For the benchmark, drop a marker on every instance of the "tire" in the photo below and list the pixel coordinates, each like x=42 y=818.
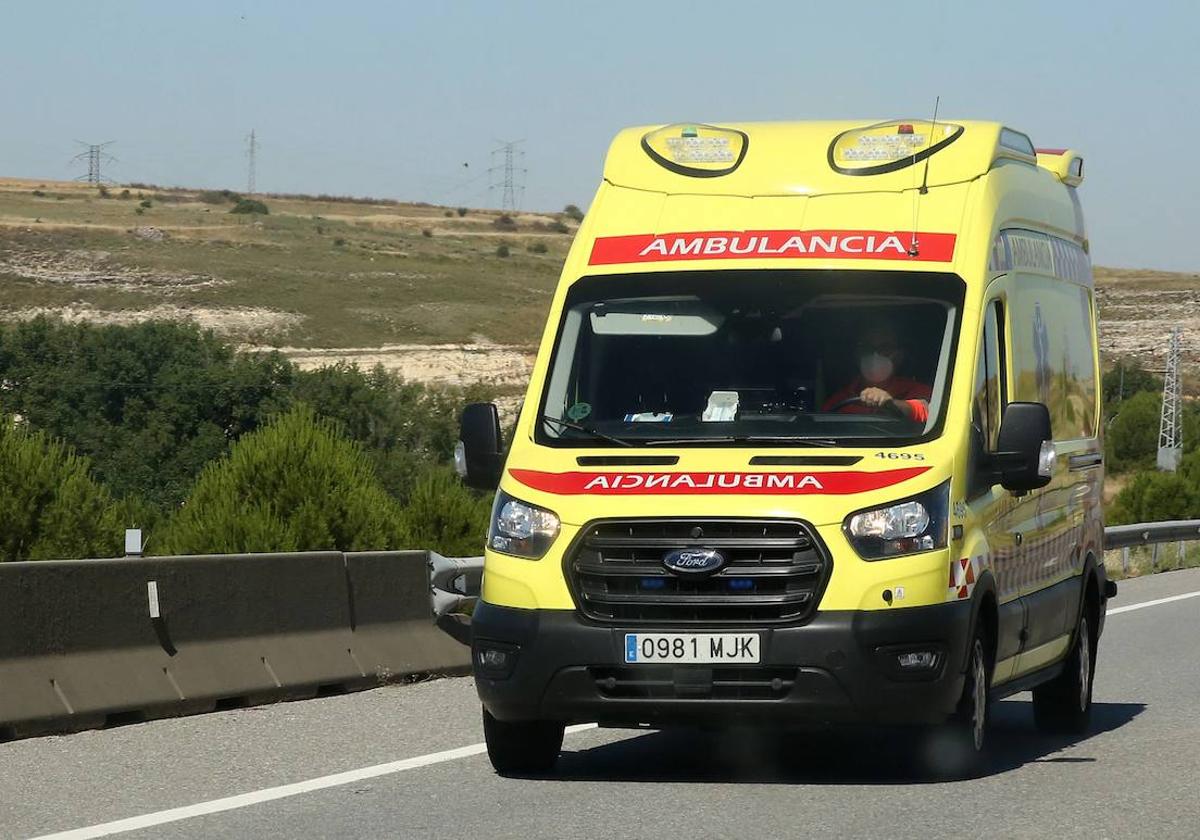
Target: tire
x=522 y=747
x=1063 y=706
x=958 y=750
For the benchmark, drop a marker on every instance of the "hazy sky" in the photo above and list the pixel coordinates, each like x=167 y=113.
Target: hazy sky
x=392 y=98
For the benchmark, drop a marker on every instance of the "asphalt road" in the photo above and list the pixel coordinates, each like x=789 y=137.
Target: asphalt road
x=405 y=774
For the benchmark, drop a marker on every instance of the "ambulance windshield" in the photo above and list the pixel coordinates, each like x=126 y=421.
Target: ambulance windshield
x=801 y=358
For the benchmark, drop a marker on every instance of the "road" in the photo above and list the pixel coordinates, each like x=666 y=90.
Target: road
x=413 y=766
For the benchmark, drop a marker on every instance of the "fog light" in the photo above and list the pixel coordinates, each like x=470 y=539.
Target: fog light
x=495 y=661
x=917 y=660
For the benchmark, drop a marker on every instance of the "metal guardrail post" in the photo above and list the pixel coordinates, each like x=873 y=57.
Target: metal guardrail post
x=1125 y=559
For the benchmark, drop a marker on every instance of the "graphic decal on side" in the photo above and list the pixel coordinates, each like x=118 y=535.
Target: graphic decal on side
x=704 y=483
x=963 y=574
x=771 y=244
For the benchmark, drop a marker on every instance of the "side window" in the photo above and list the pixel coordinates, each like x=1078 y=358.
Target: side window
x=990 y=378
x=1054 y=362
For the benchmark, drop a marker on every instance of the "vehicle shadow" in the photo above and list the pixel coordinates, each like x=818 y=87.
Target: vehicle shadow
x=831 y=757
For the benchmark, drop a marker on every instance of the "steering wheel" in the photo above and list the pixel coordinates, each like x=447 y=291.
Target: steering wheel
x=888 y=406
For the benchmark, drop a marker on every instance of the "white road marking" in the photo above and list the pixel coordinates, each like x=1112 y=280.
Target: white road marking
x=1153 y=603
x=244 y=800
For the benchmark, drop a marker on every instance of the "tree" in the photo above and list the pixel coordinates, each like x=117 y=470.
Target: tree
x=1125 y=379
x=573 y=212
x=403 y=426
x=150 y=404
x=294 y=485
x=50 y=506
x=1132 y=437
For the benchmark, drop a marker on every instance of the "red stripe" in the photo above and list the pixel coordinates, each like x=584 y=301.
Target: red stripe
x=772 y=244
x=710 y=483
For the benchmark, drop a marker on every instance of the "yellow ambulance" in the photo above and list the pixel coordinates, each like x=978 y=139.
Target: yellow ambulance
x=812 y=438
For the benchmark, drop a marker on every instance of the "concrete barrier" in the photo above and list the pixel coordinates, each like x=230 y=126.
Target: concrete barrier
x=397 y=635
x=87 y=642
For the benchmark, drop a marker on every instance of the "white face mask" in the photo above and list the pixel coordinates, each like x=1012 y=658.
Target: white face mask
x=875 y=367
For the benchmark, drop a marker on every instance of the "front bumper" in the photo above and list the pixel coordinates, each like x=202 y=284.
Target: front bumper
x=837 y=668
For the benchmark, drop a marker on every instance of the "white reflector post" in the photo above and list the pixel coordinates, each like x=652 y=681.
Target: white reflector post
x=133 y=542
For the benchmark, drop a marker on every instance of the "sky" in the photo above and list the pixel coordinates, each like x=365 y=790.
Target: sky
x=407 y=100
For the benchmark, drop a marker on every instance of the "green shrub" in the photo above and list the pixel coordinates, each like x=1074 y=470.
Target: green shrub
x=219 y=197
x=249 y=205
x=1154 y=496
x=449 y=214
x=558 y=227
x=573 y=212
x=50 y=506
x=146 y=204
x=536 y=247
x=504 y=222
x=294 y=485
x=427 y=232
x=339 y=242
x=502 y=250
x=462 y=211
x=444 y=516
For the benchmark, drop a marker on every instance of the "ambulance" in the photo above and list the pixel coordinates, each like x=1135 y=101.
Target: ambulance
x=812 y=440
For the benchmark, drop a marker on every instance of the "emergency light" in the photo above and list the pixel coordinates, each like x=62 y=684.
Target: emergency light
x=700 y=151
x=886 y=147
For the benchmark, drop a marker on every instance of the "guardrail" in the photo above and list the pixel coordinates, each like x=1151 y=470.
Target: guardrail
x=1153 y=534
x=89 y=642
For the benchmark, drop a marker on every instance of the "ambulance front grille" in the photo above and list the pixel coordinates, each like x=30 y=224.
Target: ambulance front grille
x=774 y=572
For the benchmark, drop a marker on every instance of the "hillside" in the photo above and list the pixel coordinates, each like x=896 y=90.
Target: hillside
x=418 y=288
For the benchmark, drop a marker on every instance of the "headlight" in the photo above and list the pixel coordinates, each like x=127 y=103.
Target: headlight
x=521 y=529
x=905 y=527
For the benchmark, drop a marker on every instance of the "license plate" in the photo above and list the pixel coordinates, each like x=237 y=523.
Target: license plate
x=697 y=648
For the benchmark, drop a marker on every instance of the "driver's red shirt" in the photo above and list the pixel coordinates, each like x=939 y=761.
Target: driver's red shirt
x=916 y=394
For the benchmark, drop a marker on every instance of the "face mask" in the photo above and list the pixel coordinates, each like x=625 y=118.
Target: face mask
x=875 y=367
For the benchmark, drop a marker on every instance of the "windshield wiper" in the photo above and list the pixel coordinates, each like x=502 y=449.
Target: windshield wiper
x=791 y=439
x=797 y=441
x=578 y=427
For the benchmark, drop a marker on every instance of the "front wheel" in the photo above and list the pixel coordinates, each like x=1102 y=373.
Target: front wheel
x=1063 y=706
x=957 y=750
x=522 y=747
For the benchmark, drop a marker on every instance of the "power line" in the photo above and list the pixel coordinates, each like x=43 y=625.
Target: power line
x=251 y=155
x=1170 y=427
x=506 y=173
x=96 y=157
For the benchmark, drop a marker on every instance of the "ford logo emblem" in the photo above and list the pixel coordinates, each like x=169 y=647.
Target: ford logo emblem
x=694 y=561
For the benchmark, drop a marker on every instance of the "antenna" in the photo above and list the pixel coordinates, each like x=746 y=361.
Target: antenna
x=914 y=246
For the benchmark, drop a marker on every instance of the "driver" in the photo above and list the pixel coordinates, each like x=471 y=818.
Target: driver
x=877 y=386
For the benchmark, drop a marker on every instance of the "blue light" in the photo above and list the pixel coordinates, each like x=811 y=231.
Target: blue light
x=741 y=583
x=653 y=583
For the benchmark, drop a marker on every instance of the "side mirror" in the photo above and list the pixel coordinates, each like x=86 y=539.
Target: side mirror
x=1025 y=457
x=478 y=457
